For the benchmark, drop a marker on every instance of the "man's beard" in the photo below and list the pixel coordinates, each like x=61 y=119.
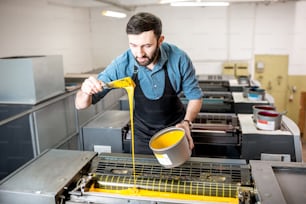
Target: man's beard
x=150 y=60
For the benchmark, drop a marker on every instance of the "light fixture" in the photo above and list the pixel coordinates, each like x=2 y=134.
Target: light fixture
x=169 y=1
x=199 y=3
x=114 y=14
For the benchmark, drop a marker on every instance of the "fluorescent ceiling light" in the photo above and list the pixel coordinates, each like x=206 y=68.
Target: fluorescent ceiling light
x=199 y=3
x=114 y=14
x=169 y=1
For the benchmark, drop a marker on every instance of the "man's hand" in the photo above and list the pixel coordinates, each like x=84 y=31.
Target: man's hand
x=91 y=86
x=187 y=128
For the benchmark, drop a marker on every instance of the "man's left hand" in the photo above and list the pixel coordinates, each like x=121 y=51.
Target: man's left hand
x=185 y=125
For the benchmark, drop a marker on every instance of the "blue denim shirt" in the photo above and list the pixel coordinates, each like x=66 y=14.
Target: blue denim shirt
x=180 y=70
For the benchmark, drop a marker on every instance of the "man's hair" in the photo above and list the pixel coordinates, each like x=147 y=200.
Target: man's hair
x=142 y=22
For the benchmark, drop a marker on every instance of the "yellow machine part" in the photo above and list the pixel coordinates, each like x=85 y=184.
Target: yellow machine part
x=166 y=195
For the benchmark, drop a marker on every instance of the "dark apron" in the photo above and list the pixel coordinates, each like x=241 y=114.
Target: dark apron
x=150 y=116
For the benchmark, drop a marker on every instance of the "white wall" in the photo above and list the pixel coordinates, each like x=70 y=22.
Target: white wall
x=34 y=27
x=210 y=36
x=108 y=38
x=297 y=62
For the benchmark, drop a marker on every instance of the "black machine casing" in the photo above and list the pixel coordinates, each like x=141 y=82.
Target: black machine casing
x=284 y=142
x=108 y=132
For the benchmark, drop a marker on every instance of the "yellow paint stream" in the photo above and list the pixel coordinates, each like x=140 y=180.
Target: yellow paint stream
x=128 y=84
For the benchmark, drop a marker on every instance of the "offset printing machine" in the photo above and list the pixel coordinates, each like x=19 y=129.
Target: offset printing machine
x=216 y=135
x=283 y=144
x=221 y=94
x=231 y=163
x=225 y=83
x=227 y=135
x=228 y=94
x=83 y=177
x=229 y=102
x=108 y=132
x=215 y=82
x=214 y=102
x=243 y=104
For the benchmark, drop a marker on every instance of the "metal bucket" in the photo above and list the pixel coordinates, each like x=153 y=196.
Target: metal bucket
x=246 y=90
x=269 y=120
x=256 y=94
x=257 y=108
x=170 y=147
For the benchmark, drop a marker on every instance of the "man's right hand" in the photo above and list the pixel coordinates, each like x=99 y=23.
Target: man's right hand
x=91 y=86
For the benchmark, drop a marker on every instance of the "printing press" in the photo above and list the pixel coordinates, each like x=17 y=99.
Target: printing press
x=108 y=132
x=244 y=104
x=283 y=144
x=214 y=102
x=74 y=177
x=224 y=83
x=221 y=94
x=217 y=135
x=229 y=170
x=230 y=94
x=234 y=136
x=215 y=82
x=228 y=102
x=233 y=162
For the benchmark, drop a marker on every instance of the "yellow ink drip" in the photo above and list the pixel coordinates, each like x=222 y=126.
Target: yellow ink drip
x=130 y=91
x=129 y=85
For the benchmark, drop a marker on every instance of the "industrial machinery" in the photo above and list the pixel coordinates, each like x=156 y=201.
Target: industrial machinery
x=215 y=82
x=279 y=182
x=196 y=181
x=31 y=96
x=229 y=135
x=243 y=104
x=214 y=102
x=224 y=83
x=221 y=94
x=228 y=102
x=216 y=135
x=27 y=79
x=108 y=132
x=280 y=144
x=76 y=177
x=227 y=94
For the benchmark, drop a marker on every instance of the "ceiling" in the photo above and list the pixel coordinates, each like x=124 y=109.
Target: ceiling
x=132 y=4
x=100 y=3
